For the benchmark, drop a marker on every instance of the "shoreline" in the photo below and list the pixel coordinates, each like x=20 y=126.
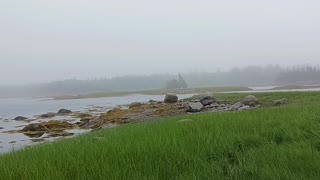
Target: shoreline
x=45 y=127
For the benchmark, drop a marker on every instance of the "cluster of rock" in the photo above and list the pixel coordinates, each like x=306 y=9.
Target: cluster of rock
x=209 y=104
x=61 y=112
x=53 y=128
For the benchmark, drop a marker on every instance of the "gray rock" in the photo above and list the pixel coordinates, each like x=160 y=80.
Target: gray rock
x=281 y=101
x=194 y=107
x=214 y=105
x=64 y=111
x=250 y=100
x=171 y=98
x=20 y=118
x=244 y=108
x=207 y=100
x=236 y=106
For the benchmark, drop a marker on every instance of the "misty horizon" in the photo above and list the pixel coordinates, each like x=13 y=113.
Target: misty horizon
x=44 y=41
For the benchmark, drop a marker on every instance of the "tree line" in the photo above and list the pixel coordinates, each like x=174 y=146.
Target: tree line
x=247 y=76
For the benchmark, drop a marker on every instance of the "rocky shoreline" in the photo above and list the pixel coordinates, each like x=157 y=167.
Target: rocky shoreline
x=46 y=126
x=132 y=113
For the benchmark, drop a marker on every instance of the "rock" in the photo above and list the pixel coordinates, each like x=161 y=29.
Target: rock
x=250 y=100
x=185 y=120
x=93 y=124
x=207 y=100
x=194 y=107
x=58 y=125
x=244 y=108
x=1 y=128
x=236 y=106
x=214 y=105
x=20 y=118
x=171 y=98
x=281 y=101
x=48 y=115
x=34 y=134
x=53 y=125
x=34 y=127
x=59 y=134
x=181 y=106
x=64 y=111
x=153 y=106
x=134 y=105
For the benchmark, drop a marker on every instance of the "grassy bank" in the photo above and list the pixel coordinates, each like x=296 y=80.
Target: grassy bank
x=265 y=143
x=156 y=92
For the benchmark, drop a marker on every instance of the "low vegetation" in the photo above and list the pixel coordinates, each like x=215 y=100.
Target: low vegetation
x=271 y=142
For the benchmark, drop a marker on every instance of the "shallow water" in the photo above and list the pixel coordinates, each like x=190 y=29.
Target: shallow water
x=29 y=107
x=270 y=89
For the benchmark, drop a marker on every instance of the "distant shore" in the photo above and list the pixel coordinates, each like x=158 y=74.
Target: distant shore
x=154 y=92
x=217 y=89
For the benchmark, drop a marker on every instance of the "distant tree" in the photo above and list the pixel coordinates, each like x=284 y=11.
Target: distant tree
x=174 y=84
x=182 y=82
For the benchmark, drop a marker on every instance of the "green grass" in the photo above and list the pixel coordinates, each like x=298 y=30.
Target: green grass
x=265 y=143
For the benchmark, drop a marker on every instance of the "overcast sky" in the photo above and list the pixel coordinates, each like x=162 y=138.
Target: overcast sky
x=44 y=40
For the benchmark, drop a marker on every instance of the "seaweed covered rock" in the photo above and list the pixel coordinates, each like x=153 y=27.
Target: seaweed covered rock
x=53 y=125
x=20 y=118
x=34 y=127
x=135 y=104
x=64 y=111
x=171 y=98
x=47 y=115
x=58 y=125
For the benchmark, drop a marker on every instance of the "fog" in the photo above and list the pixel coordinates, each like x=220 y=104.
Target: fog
x=43 y=40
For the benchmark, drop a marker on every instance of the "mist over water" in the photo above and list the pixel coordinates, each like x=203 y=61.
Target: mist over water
x=43 y=41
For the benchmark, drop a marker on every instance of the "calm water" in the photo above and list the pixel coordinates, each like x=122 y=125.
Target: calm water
x=28 y=107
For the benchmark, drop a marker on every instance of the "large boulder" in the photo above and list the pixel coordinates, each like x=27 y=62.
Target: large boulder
x=195 y=107
x=281 y=101
x=250 y=100
x=20 y=118
x=171 y=98
x=64 y=111
x=134 y=105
